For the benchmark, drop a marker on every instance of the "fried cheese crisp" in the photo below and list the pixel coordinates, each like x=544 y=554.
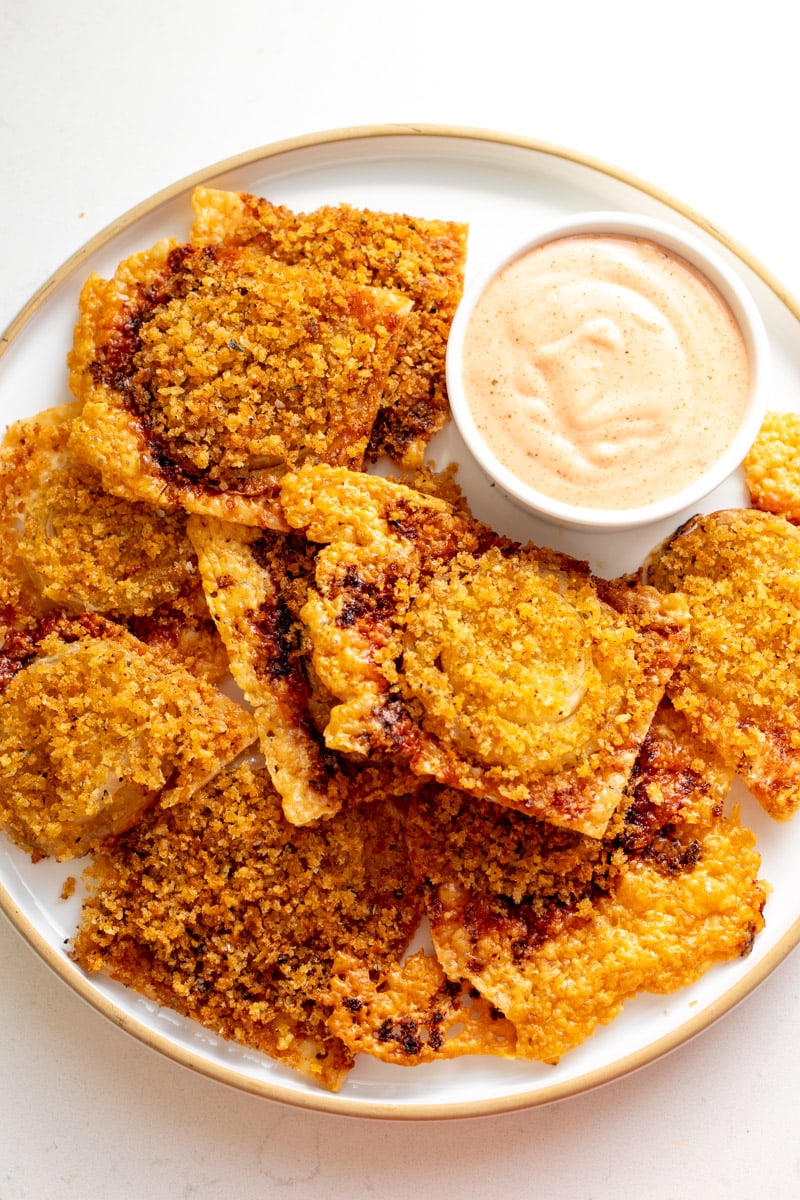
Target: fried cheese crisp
x=96 y=725
x=738 y=682
x=256 y=581
x=206 y=373
x=504 y=670
x=222 y=911
x=558 y=931
x=421 y=258
x=772 y=466
x=67 y=545
x=413 y=1014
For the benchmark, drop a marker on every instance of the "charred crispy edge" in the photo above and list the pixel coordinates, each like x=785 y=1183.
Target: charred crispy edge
x=415 y=405
x=327 y=512
x=245 y=603
x=115 y=438
x=565 y=799
x=413 y=1013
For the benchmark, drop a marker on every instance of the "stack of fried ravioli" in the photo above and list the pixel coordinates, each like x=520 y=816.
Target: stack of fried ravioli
x=429 y=721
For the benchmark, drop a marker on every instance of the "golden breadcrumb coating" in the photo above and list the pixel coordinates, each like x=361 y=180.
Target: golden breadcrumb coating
x=256 y=583
x=69 y=545
x=503 y=670
x=421 y=258
x=557 y=930
x=206 y=373
x=221 y=910
x=772 y=466
x=450 y=723
x=94 y=726
x=737 y=682
x=413 y=1014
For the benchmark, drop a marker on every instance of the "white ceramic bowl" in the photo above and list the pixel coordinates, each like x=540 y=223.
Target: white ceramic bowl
x=733 y=290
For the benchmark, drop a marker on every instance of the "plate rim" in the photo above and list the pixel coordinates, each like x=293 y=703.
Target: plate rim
x=273 y=1089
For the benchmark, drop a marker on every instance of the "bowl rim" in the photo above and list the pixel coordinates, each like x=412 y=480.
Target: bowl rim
x=705 y=259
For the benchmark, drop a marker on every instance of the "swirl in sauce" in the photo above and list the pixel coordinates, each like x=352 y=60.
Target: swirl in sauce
x=605 y=371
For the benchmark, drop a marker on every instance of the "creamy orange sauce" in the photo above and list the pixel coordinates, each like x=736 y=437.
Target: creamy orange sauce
x=604 y=371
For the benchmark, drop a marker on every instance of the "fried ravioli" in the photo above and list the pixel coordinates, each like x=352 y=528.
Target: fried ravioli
x=557 y=930
x=256 y=582
x=222 y=911
x=503 y=670
x=94 y=727
x=738 y=682
x=421 y=258
x=772 y=466
x=67 y=545
x=206 y=373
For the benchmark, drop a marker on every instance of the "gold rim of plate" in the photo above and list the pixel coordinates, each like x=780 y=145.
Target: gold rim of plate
x=275 y=1089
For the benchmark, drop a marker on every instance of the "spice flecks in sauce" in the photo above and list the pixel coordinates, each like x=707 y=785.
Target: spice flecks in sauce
x=604 y=370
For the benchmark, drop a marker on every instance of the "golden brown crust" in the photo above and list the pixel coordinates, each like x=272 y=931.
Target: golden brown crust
x=67 y=545
x=256 y=583
x=772 y=466
x=503 y=670
x=413 y=1014
x=421 y=258
x=498 y=706
x=737 y=682
x=94 y=726
x=222 y=911
x=558 y=930
x=205 y=374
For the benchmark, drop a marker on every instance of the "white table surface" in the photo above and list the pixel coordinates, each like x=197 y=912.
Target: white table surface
x=104 y=103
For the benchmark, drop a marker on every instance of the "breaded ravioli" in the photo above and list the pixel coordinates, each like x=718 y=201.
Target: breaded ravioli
x=94 y=727
x=772 y=466
x=557 y=930
x=256 y=582
x=206 y=373
x=67 y=545
x=421 y=258
x=738 y=682
x=504 y=670
x=222 y=911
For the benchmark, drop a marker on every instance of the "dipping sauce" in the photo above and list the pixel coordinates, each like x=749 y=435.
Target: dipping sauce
x=604 y=370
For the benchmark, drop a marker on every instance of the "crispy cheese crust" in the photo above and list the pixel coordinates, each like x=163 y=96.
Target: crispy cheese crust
x=94 y=726
x=557 y=930
x=220 y=909
x=414 y=1014
x=437 y=720
x=738 y=682
x=503 y=670
x=420 y=258
x=206 y=373
x=67 y=545
x=256 y=582
x=772 y=466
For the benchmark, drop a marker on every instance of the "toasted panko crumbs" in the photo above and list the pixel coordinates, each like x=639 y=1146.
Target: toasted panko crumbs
x=557 y=930
x=740 y=573
x=256 y=582
x=94 y=726
x=220 y=909
x=68 y=545
x=422 y=259
x=84 y=548
x=772 y=466
x=406 y=667
x=220 y=368
x=237 y=366
x=504 y=670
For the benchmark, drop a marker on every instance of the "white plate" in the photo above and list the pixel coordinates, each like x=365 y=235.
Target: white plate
x=503 y=186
